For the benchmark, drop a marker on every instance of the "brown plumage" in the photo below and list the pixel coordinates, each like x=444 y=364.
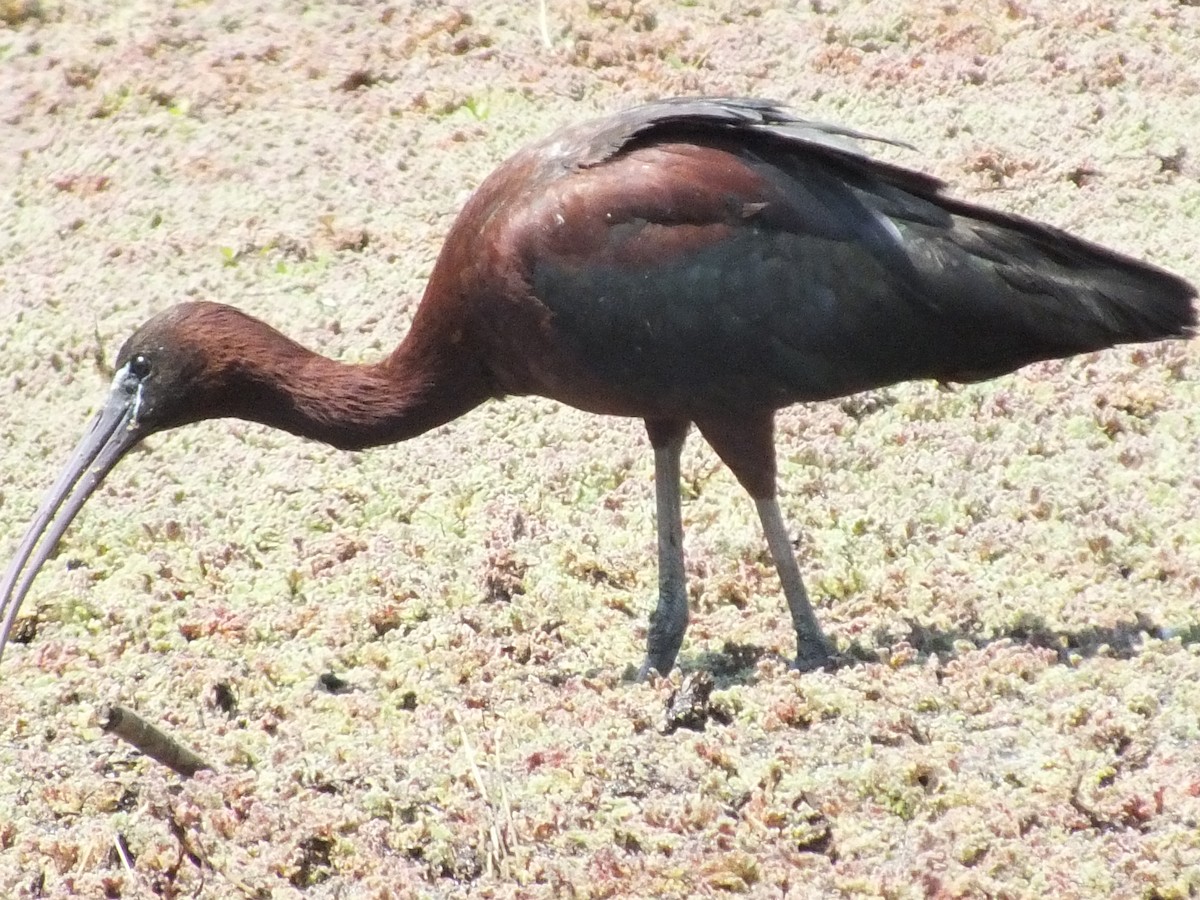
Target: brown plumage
x=699 y=262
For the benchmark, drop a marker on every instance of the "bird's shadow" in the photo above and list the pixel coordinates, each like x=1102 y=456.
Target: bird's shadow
x=735 y=663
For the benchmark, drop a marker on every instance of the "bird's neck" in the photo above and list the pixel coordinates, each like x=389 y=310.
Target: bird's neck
x=421 y=386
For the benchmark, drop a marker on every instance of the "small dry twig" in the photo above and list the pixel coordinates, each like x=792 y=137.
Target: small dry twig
x=502 y=829
x=544 y=23
x=133 y=729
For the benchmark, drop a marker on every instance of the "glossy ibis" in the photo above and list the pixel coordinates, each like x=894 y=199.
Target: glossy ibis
x=690 y=261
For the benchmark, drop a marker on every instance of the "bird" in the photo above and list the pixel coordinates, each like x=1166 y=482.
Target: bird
x=692 y=262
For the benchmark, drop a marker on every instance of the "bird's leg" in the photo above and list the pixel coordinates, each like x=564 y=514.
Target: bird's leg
x=669 y=620
x=747 y=446
x=813 y=649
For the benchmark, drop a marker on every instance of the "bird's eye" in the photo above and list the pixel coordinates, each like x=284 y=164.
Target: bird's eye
x=139 y=366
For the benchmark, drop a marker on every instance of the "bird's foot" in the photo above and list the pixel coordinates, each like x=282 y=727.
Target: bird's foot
x=651 y=668
x=818 y=655
x=663 y=643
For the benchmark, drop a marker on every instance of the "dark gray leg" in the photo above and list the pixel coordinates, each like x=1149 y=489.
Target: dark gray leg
x=813 y=650
x=669 y=620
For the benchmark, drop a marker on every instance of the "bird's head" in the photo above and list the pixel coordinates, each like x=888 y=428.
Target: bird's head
x=171 y=371
x=176 y=368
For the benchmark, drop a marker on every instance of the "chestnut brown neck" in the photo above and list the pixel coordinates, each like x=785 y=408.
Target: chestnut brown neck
x=419 y=387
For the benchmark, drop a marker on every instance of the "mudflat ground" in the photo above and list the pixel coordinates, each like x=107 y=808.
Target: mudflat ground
x=1020 y=558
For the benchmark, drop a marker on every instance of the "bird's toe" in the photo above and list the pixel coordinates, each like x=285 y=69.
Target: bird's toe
x=651 y=669
x=821 y=657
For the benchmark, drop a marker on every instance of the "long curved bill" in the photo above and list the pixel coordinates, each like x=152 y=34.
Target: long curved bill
x=111 y=433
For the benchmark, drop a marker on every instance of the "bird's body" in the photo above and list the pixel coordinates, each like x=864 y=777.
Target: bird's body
x=692 y=272
x=688 y=262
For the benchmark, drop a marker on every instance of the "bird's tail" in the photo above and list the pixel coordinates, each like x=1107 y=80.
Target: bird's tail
x=1042 y=293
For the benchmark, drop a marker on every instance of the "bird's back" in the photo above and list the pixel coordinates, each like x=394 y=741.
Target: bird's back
x=689 y=257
